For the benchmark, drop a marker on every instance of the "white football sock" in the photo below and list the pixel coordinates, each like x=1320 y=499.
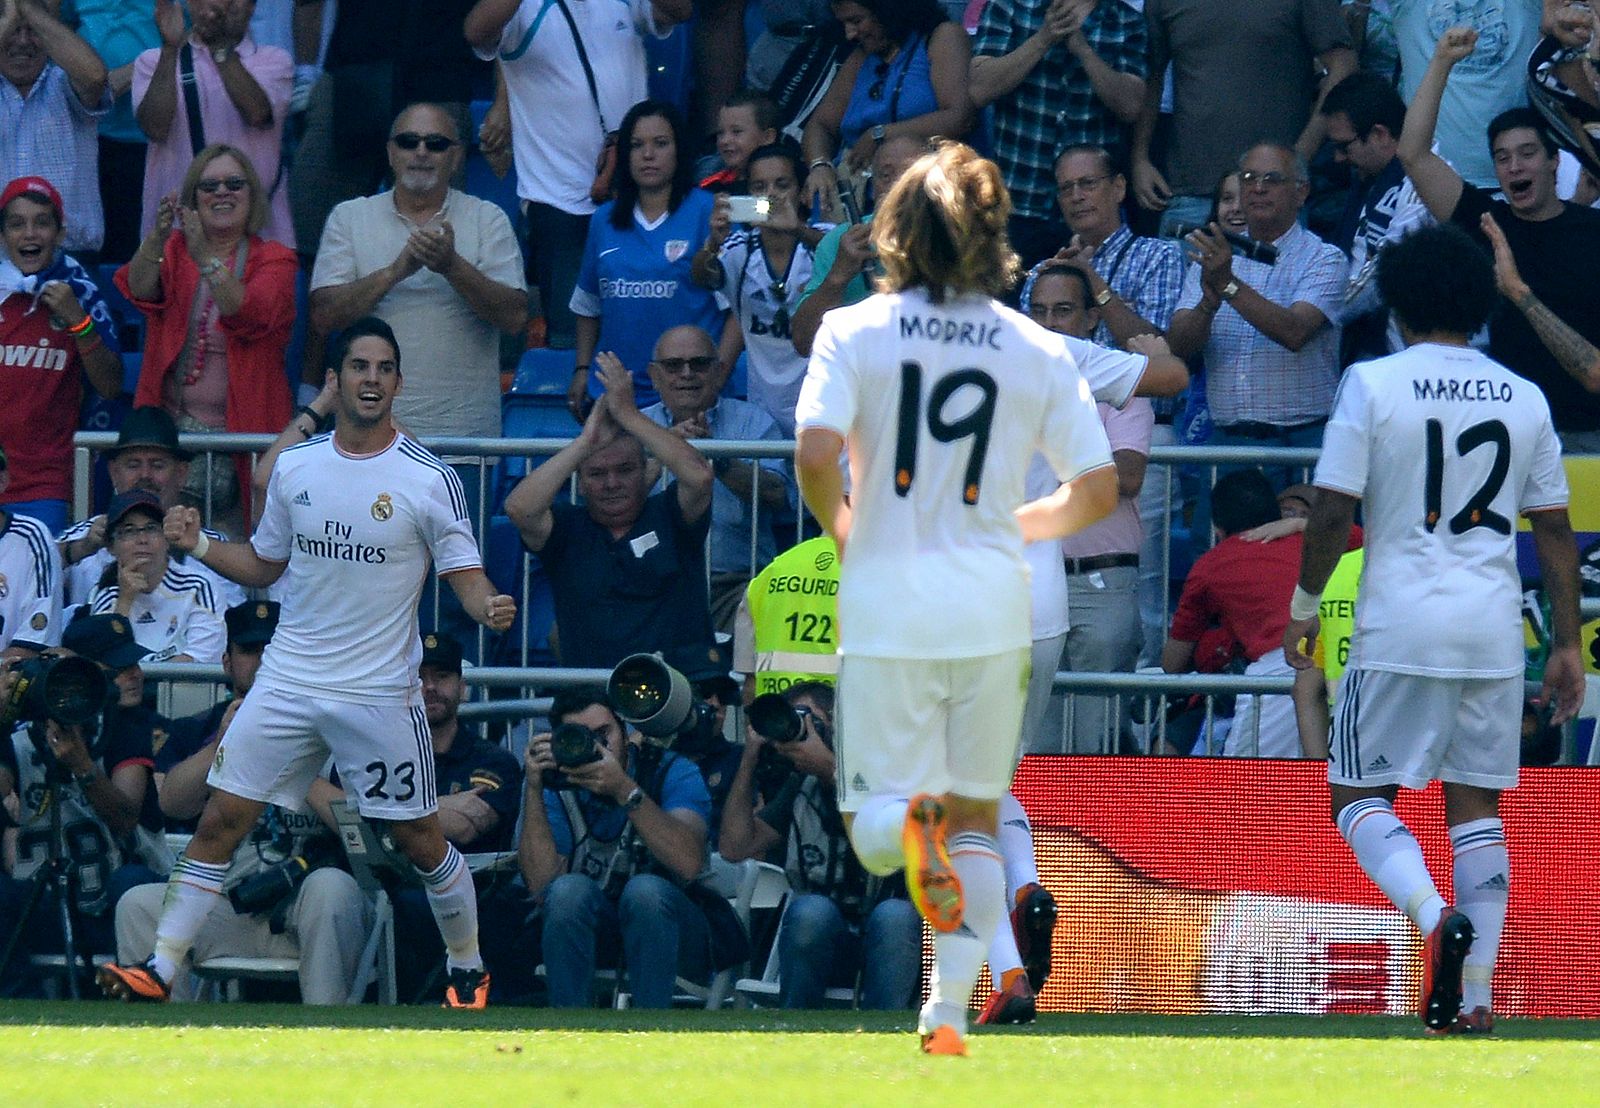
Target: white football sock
x=876 y=832
x=958 y=956
x=1482 y=879
x=1016 y=847
x=1388 y=852
x=193 y=889
x=454 y=901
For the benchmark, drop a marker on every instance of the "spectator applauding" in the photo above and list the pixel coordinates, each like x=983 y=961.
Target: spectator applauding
x=52 y=93
x=54 y=330
x=1272 y=352
x=215 y=77
x=635 y=282
x=220 y=301
x=907 y=76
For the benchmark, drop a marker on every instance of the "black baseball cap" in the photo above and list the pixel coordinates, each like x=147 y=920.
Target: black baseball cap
x=131 y=501
x=107 y=639
x=441 y=652
x=251 y=623
x=149 y=426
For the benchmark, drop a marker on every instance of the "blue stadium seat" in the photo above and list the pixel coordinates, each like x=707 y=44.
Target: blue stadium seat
x=543 y=372
x=539 y=415
x=738 y=383
x=481 y=180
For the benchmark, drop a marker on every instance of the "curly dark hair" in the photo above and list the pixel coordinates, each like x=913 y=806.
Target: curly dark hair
x=1438 y=280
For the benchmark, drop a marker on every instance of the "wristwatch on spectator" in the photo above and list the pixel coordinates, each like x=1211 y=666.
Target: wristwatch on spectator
x=1103 y=297
x=1230 y=290
x=632 y=801
x=220 y=54
x=877 y=134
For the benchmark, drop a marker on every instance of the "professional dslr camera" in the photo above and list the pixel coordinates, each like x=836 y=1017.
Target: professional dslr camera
x=658 y=700
x=571 y=745
x=771 y=716
x=67 y=690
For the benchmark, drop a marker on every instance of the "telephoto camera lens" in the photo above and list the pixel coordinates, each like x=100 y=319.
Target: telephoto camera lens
x=774 y=718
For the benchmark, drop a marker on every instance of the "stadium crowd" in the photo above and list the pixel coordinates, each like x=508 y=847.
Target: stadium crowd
x=576 y=223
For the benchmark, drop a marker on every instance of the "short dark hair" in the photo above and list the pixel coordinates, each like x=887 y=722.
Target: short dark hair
x=818 y=692
x=626 y=188
x=1512 y=118
x=1070 y=272
x=1243 y=499
x=760 y=105
x=1437 y=280
x=785 y=148
x=1108 y=163
x=366 y=326
x=1367 y=100
x=568 y=702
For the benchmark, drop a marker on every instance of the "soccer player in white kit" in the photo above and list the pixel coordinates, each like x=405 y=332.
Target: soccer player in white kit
x=352 y=520
x=1443 y=448
x=942 y=395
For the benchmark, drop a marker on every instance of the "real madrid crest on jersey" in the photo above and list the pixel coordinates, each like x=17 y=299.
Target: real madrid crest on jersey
x=676 y=248
x=5 y=587
x=383 y=508
x=38 y=621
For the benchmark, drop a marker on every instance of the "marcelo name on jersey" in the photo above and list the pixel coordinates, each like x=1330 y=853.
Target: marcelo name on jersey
x=335 y=543
x=1471 y=391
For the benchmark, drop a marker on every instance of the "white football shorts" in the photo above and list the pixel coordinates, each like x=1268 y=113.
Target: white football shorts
x=928 y=725
x=1404 y=729
x=281 y=737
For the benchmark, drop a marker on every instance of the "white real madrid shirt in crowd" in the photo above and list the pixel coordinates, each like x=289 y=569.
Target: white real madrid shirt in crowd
x=30 y=584
x=358 y=532
x=452 y=355
x=179 y=616
x=943 y=406
x=765 y=303
x=1445 y=447
x=556 y=131
x=82 y=578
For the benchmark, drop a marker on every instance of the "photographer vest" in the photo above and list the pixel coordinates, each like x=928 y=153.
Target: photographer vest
x=609 y=863
x=794 y=616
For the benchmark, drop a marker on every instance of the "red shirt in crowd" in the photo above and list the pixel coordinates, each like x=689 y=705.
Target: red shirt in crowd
x=41 y=383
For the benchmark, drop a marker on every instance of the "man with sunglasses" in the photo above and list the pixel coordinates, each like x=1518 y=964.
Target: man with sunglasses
x=1268 y=332
x=685 y=372
x=212 y=73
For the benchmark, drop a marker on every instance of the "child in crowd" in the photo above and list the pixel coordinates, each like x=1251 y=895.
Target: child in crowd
x=746 y=122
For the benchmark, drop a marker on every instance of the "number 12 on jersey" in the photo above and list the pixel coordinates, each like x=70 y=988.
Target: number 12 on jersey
x=974 y=425
x=1476 y=512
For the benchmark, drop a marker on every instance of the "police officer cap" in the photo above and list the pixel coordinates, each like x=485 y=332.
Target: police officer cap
x=252 y=623
x=441 y=652
x=107 y=639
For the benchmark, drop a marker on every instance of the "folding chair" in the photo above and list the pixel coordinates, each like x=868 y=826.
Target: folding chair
x=764 y=990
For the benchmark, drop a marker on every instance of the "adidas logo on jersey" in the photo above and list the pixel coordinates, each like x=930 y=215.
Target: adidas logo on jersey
x=303 y=499
x=1378 y=764
x=1498 y=883
x=859 y=783
x=147 y=617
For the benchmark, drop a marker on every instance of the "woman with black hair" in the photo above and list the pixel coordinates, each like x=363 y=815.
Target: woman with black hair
x=635 y=280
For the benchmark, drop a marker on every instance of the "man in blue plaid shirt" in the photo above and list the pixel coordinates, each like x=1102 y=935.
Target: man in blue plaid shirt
x=1059 y=73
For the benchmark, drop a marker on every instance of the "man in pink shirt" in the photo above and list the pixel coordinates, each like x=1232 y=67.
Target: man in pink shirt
x=241 y=92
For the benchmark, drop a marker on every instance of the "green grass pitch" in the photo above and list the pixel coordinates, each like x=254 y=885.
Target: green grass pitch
x=97 y=1053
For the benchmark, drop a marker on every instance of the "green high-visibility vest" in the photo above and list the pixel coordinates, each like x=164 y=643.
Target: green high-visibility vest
x=794 y=612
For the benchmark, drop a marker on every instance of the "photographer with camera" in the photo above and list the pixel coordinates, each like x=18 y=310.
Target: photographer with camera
x=79 y=761
x=288 y=900
x=841 y=923
x=611 y=834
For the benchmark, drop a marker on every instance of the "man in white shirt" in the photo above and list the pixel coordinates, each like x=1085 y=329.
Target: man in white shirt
x=560 y=114
x=933 y=598
x=1442 y=447
x=352 y=522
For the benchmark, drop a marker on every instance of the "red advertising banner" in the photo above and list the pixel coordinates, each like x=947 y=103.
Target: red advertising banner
x=1221 y=886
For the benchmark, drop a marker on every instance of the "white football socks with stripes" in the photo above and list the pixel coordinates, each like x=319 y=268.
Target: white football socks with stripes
x=193 y=889
x=958 y=956
x=1482 y=879
x=1016 y=853
x=1388 y=852
x=454 y=901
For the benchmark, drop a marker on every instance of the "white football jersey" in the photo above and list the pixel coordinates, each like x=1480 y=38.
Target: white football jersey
x=942 y=407
x=30 y=584
x=358 y=533
x=179 y=616
x=1445 y=447
x=83 y=578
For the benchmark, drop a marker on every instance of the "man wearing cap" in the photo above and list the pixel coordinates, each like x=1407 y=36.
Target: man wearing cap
x=174 y=613
x=102 y=788
x=53 y=91
x=147 y=456
x=706 y=667
x=324 y=922
x=55 y=329
x=30 y=582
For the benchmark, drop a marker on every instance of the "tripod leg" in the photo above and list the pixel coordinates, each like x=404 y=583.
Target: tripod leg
x=36 y=887
x=69 y=946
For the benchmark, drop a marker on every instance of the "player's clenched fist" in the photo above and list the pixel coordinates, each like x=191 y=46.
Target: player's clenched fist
x=498 y=612
x=182 y=526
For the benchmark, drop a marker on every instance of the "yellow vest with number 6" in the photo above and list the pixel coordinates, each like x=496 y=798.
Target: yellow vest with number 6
x=794 y=614
x=1338 y=615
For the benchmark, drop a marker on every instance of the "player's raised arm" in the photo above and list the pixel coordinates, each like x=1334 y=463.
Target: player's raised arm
x=237 y=561
x=1166 y=374
x=481 y=600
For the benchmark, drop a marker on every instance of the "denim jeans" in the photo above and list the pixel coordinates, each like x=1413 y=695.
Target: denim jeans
x=661 y=934
x=818 y=948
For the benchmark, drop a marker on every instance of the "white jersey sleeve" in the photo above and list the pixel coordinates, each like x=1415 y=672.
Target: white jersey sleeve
x=202 y=635
x=1113 y=375
x=1546 y=486
x=828 y=397
x=1347 y=439
x=1073 y=440
x=446 y=527
x=274 y=537
x=30 y=585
